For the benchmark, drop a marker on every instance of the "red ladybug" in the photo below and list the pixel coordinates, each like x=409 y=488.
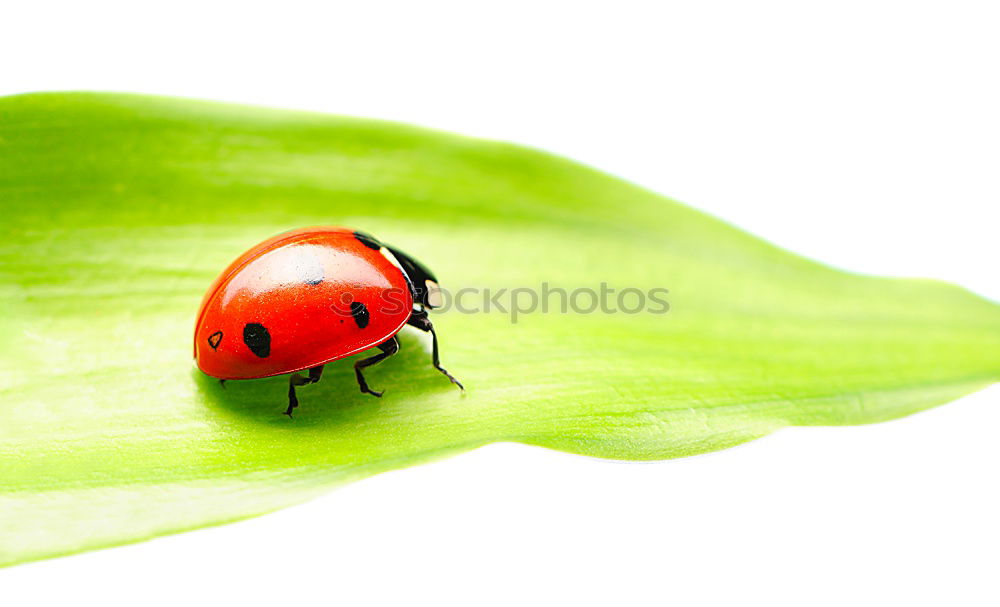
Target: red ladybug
x=308 y=297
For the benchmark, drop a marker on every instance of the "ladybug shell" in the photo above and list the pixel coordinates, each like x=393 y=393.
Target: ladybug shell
x=298 y=300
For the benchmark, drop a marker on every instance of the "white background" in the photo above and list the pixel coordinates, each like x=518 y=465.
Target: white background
x=864 y=134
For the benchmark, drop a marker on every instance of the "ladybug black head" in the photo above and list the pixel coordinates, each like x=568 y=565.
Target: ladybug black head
x=423 y=283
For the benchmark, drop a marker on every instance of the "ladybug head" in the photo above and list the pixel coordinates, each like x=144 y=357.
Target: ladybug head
x=425 y=286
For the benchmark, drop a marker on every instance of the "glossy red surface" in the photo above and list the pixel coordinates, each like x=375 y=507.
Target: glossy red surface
x=299 y=286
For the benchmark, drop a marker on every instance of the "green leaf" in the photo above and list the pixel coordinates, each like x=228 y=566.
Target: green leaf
x=119 y=210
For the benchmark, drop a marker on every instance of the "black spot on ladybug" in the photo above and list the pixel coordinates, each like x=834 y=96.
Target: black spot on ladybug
x=360 y=314
x=257 y=338
x=368 y=240
x=214 y=339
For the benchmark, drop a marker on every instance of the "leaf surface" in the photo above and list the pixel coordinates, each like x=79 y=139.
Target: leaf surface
x=119 y=210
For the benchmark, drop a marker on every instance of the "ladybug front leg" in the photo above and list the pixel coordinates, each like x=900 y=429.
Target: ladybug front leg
x=420 y=320
x=297 y=380
x=388 y=347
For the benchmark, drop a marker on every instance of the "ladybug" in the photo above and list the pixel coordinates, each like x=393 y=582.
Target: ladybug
x=308 y=297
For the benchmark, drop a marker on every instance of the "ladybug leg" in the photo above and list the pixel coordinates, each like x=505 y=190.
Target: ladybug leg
x=420 y=320
x=388 y=347
x=297 y=380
